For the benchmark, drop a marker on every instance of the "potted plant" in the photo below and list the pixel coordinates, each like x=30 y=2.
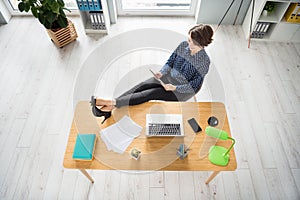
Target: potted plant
x=51 y=15
x=269 y=8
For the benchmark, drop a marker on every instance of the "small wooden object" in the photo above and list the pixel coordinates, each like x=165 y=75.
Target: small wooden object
x=63 y=36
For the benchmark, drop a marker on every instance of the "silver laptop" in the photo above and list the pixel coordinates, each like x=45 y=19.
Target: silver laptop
x=163 y=125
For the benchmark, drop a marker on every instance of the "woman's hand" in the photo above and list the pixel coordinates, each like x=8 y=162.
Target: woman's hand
x=169 y=87
x=158 y=75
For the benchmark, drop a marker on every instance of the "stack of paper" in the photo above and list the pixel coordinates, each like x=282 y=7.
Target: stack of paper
x=119 y=136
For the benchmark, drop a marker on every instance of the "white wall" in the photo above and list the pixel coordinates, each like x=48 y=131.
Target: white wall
x=212 y=11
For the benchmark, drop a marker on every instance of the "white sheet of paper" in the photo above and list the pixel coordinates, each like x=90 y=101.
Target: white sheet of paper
x=119 y=136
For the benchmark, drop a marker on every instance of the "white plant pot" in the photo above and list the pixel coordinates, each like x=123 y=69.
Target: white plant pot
x=265 y=13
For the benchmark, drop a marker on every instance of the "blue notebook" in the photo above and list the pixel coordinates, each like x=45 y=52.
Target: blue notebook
x=84 y=146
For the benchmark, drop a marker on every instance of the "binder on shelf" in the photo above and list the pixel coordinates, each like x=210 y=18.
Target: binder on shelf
x=256 y=30
x=100 y=22
x=97 y=20
x=86 y=4
x=92 y=20
x=293 y=13
x=103 y=21
x=266 y=27
x=80 y=4
x=260 y=30
x=89 y=5
x=96 y=5
x=261 y=33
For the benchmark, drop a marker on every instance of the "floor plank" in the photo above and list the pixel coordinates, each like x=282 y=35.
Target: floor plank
x=156 y=179
x=41 y=175
x=231 y=185
x=134 y=185
x=274 y=186
x=112 y=185
x=172 y=188
x=11 y=180
x=253 y=154
x=186 y=180
x=67 y=189
x=245 y=184
x=157 y=193
x=202 y=190
x=216 y=188
x=9 y=148
x=289 y=188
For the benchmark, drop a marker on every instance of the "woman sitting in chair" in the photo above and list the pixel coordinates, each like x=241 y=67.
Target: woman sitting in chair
x=182 y=75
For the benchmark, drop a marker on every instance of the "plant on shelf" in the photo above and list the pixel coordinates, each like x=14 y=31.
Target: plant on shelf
x=270 y=7
x=51 y=15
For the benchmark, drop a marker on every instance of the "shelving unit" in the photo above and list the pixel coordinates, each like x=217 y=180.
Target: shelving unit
x=275 y=28
x=94 y=15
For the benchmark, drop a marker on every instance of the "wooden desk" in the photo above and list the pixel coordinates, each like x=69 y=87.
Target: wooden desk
x=158 y=153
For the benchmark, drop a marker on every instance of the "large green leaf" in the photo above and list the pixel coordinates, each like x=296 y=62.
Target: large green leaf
x=62 y=13
x=21 y=6
x=62 y=21
x=46 y=1
x=55 y=7
x=42 y=19
x=31 y=2
x=51 y=17
x=34 y=11
x=27 y=7
x=51 y=3
x=47 y=25
x=61 y=3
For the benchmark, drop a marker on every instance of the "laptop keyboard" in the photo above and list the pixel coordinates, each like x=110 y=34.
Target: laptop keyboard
x=164 y=129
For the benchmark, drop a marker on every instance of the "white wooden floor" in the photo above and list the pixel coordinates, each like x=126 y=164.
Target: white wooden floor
x=262 y=96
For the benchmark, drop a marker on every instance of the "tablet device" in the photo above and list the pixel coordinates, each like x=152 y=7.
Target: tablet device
x=156 y=77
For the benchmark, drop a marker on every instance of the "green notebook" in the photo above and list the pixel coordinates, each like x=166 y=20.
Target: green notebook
x=84 y=146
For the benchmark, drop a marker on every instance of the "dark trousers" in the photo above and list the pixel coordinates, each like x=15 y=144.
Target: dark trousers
x=148 y=90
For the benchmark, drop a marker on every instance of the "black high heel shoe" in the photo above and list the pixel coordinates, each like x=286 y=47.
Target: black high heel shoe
x=93 y=101
x=99 y=113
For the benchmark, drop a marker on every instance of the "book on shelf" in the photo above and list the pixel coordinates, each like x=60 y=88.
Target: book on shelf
x=84 y=147
x=260 y=29
x=293 y=13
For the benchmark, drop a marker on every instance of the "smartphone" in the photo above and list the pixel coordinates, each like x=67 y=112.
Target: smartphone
x=195 y=126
